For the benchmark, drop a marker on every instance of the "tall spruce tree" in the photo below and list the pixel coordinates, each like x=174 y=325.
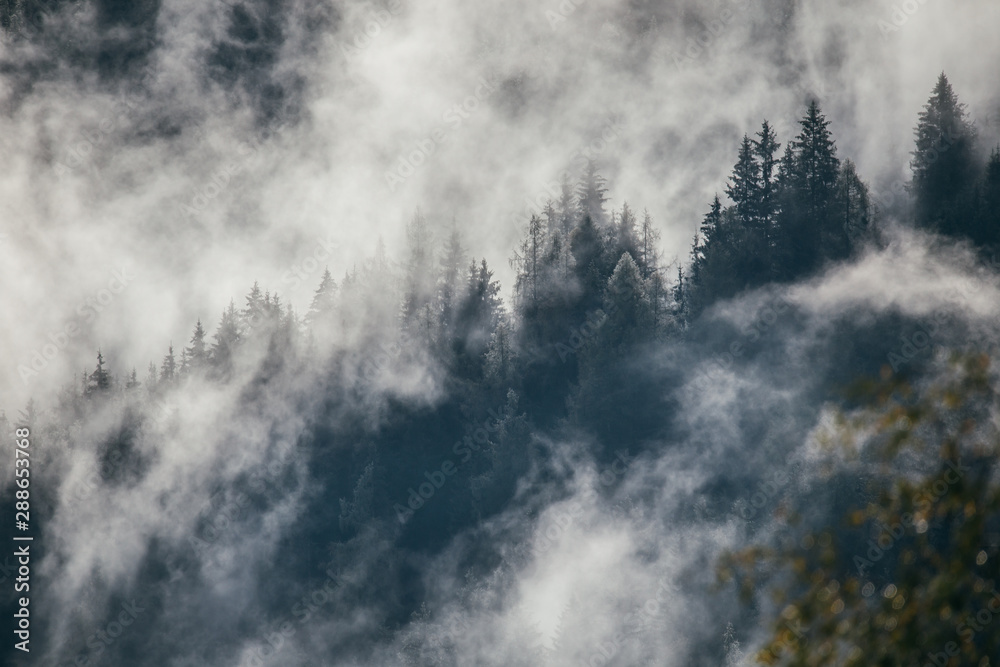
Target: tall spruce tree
x=226 y=338
x=765 y=148
x=987 y=219
x=808 y=231
x=99 y=381
x=944 y=162
x=591 y=195
x=744 y=185
x=323 y=302
x=197 y=354
x=168 y=369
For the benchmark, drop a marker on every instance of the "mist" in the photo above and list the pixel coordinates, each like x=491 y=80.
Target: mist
x=165 y=156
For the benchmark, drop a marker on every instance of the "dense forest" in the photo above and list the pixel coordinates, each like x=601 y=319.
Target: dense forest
x=420 y=417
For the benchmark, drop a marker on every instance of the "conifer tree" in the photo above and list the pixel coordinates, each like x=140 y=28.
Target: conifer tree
x=648 y=254
x=526 y=262
x=151 y=377
x=808 y=227
x=227 y=336
x=197 y=354
x=168 y=370
x=567 y=209
x=591 y=195
x=420 y=277
x=987 y=219
x=854 y=209
x=324 y=300
x=253 y=312
x=450 y=284
x=99 y=380
x=944 y=162
x=133 y=380
x=744 y=185
x=765 y=148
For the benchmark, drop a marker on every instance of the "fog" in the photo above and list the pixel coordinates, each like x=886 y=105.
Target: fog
x=162 y=158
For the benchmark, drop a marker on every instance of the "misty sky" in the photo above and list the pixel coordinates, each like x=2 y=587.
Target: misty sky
x=162 y=156
x=349 y=114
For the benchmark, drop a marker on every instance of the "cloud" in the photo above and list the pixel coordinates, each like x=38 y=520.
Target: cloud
x=211 y=145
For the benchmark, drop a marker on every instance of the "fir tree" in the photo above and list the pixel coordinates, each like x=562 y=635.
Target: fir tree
x=450 y=282
x=226 y=338
x=591 y=195
x=648 y=252
x=324 y=300
x=944 y=161
x=744 y=185
x=854 y=209
x=986 y=231
x=133 y=380
x=168 y=369
x=526 y=262
x=197 y=354
x=99 y=380
x=765 y=147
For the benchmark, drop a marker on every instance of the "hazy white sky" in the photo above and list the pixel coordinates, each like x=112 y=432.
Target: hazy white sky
x=558 y=80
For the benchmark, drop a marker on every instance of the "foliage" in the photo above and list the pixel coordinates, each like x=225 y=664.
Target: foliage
x=934 y=449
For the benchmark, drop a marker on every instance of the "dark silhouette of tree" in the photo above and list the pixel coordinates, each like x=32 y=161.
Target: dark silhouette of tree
x=944 y=162
x=853 y=208
x=812 y=231
x=526 y=263
x=744 y=187
x=478 y=316
x=986 y=231
x=99 y=381
x=765 y=148
x=197 y=354
x=168 y=369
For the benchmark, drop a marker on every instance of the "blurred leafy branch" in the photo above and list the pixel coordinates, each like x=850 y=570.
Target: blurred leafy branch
x=935 y=505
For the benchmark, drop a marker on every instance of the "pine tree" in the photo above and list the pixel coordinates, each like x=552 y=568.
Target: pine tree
x=197 y=354
x=253 y=312
x=420 y=277
x=567 y=207
x=944 y=162
x=745 y=186
x=648 y=252
x=765 y=147
x=987 y=220
x=816 y=160
x=626 y=235
x=501 y=356
x=151 y=377
x=628 y=308
x=591 y=195
x=133 y=380
x=450 y=283
x=809 y=228
x=588 y=256
x=227 y=336
x=323 y=302
x=854 y=209
x=478 y=316
x=99 y=380
x=168 y=370
x=526 y=262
